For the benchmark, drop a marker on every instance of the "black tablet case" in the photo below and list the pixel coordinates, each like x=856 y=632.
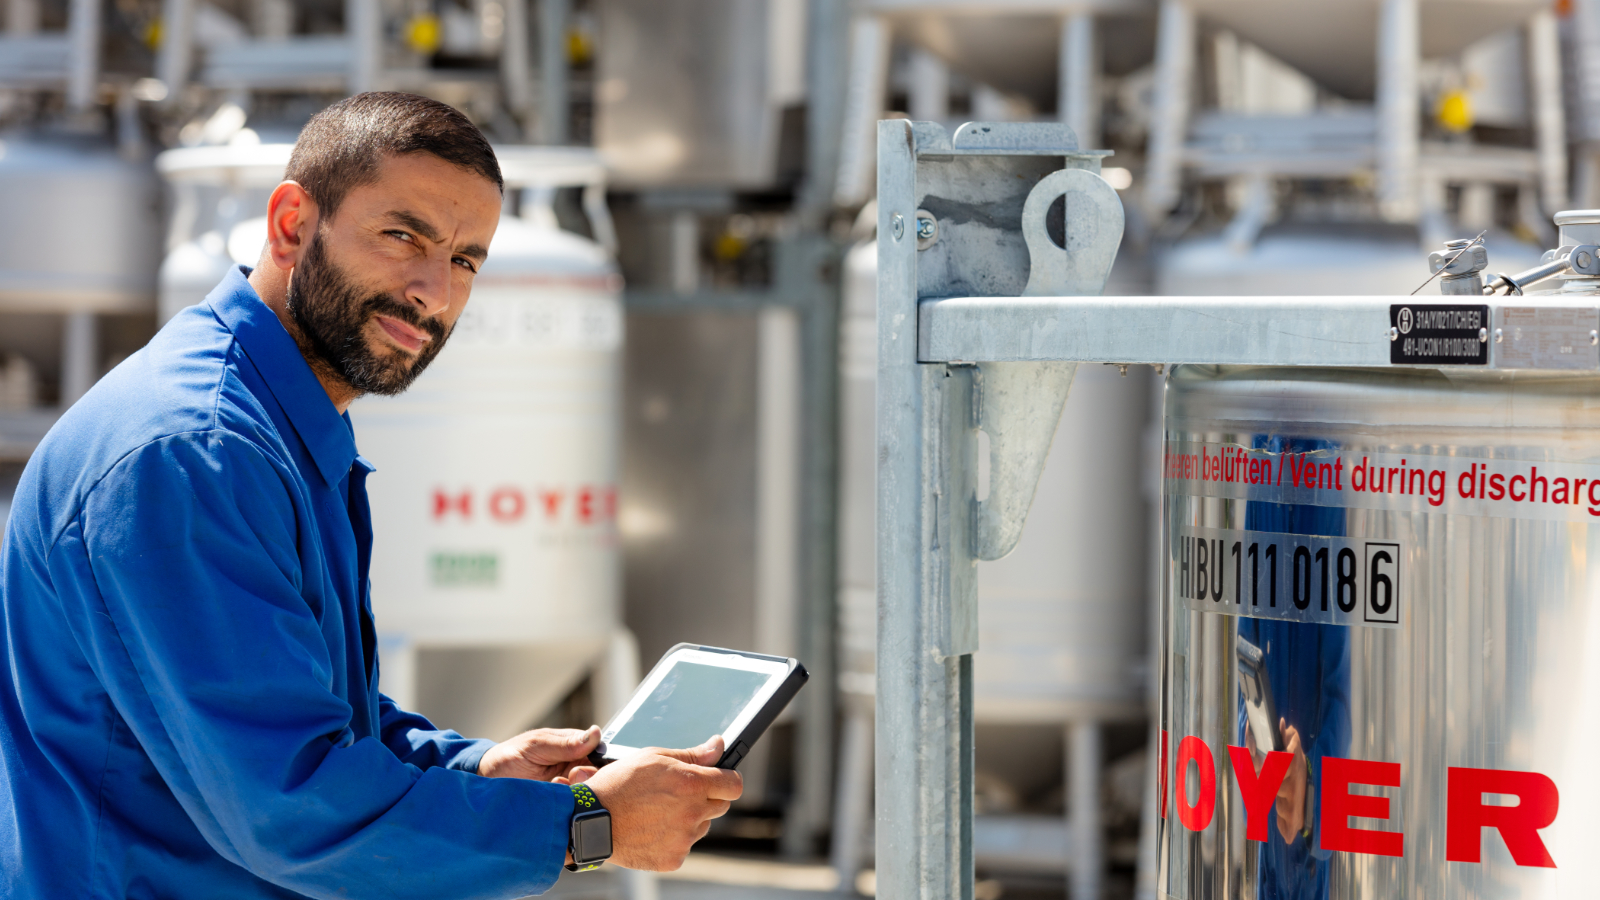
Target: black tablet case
x=741 y=745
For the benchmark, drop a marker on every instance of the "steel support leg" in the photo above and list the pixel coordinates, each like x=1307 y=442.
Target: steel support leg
x=1087 y=876
x=1078 y=91
x=925 y=574
x=1169 y=120
x=852 y=804
x=80 y=351
x=1399 y=55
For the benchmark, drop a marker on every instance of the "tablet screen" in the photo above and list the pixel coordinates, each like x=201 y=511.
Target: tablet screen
x=691 y=703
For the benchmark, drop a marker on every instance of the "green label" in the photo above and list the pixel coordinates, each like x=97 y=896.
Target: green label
x=465 y=569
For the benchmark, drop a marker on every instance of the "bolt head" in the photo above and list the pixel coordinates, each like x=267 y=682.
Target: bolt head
x=924 y=229
x=897 y=225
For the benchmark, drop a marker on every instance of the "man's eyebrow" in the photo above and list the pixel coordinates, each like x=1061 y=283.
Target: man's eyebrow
x=415 y=223
x=422 y=228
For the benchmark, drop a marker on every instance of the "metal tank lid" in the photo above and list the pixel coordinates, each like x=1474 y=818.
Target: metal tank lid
x=1578 y=217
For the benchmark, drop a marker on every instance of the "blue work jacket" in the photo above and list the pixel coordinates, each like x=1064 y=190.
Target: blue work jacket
x=190 y=702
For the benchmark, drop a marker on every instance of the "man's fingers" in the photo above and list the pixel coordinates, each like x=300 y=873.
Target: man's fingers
x=718 y=809
x=579 y=774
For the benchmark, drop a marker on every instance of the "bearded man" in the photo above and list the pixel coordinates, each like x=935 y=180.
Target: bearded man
x=190 y=703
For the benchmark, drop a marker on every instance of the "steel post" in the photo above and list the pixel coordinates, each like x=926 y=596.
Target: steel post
x=1078 y=91
x=924 y=691
x=1169 y=119
x=1399 y=55
x=553 y=110
x=1549 y=113
x=83 y=71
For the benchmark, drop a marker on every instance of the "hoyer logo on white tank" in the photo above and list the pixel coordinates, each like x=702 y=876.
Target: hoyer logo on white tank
x=583 y=505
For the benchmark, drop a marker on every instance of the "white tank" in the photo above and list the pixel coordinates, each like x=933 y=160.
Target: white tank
x=211 y=188
x=190 y=272
x=495 y=560
x=79 y=232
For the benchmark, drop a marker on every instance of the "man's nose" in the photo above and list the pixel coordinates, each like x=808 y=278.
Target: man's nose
x=430 y=285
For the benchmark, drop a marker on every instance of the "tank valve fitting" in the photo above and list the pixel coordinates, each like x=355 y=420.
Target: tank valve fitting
x=1583 y=260
x=1460 y=263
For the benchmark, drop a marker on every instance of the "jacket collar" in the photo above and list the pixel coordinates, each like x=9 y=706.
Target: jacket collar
x=326 y=434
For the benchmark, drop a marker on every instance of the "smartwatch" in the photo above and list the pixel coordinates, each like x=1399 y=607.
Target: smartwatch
x=590 y=840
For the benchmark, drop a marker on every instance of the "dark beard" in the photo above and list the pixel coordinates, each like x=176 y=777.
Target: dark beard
x=332 y=316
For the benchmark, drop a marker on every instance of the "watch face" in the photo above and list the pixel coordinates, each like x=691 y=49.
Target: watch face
x=593 y=838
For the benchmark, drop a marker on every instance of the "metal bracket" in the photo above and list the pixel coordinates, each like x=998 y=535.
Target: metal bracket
x=1019 y=403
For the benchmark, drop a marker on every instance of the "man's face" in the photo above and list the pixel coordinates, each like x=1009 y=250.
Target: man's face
x=382 y=283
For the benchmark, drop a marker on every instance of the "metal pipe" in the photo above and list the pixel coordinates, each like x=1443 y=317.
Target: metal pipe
x=800 y=263
x=177 y=39
x=1549 y=114
x=827 y=79
x=1516 y=284
x=1087 y=877
x=1398 y=59
x=553 y=107
x=516 y=72
x=853 y=804
x=1169 y=117
x=22 y=17
x=928 y=89
x=83 y=73
x=863 y=103
x=1078 y=72
x=80 y=345
x=364 y=30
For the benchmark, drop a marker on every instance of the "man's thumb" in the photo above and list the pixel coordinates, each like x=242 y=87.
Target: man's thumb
x=706 y=754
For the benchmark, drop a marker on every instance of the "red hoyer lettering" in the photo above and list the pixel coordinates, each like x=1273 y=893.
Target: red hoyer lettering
x=1466 y=813
x=510 y=504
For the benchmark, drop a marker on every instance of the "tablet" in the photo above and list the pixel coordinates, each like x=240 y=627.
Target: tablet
x=697 y=692
x=1259 y=709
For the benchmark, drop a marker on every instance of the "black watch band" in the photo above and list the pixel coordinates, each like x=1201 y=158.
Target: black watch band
x=589 y=840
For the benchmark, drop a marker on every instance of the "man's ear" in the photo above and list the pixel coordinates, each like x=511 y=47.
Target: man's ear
x=291 y=222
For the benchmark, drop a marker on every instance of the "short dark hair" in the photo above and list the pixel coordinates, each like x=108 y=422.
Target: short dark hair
x=342 y=146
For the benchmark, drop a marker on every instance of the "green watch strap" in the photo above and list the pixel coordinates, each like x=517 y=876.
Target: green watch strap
x=584 y=799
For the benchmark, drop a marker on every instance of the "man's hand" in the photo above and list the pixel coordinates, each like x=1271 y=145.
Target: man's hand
x=662 y=801
x=1291 y=804
x=544 y=754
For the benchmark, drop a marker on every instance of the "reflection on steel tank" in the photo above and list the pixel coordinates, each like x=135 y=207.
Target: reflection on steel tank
x=1062 y=633
x=495 y=573
x=1400 y=562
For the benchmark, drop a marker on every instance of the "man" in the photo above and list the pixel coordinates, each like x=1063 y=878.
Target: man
x=190 y=703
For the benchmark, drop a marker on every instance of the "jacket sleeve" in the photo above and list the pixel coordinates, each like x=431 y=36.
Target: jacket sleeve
x=182 y=576
x=419 y=742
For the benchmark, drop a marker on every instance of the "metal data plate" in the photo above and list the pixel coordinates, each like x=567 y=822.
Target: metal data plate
x=1543 y=337
x=1439 y=334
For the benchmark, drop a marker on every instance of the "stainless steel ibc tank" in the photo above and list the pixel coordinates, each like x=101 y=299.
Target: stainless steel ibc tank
x=1383 y=579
